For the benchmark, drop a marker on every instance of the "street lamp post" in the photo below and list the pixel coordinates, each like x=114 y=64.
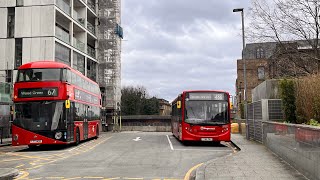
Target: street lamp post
x=244 y=70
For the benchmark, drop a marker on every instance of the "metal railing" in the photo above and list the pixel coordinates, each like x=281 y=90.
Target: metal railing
x=91 y=5
x=91 y=52
x=78 y=44
x=91 y=28
x=64 y=6
x=62 y=35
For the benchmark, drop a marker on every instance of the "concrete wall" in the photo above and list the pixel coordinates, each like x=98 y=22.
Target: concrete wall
x=266 y=90
x=147 y=128
x=7 y=48
x=149 y=123
x=299 y=145
x=35 y=21
x=38 y=48
x=37 y=2
x=7 y=3
x=3 y=22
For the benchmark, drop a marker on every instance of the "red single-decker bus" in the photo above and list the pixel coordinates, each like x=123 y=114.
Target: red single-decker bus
x=54 y=104
x=202 y=115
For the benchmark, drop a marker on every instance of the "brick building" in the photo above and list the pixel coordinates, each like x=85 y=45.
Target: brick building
x=257 y=68
x=271 y=60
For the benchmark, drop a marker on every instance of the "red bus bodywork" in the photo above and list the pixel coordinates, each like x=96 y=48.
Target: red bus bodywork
x=71 y=127
x=193 y=132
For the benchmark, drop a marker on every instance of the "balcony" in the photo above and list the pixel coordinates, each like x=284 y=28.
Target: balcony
x=78 y=44
x=92 y=5
x=64 y=6
x=77 y=18
x=91 y=52
x=62 y=35
x=91 y=28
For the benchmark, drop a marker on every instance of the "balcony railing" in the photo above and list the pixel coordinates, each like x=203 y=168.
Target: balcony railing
x=78 y=44
x=64 y=6
x=62 y=35
x=91 y=28
x=91 y=52
x=92 y=5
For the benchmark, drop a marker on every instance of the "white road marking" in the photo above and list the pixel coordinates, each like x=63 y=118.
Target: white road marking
x=170 y=143
x=137 y=139
x=214 y=150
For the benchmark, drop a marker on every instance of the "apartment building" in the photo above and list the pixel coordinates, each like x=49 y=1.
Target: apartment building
x=57 y=30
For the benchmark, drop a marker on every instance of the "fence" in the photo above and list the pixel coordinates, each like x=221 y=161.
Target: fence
x=263 y=110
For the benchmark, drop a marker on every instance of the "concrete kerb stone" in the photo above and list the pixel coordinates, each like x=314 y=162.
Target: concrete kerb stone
x=200 y=171
x=8 y=173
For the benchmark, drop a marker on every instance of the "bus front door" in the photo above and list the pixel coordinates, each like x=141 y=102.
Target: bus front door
x=70 y=122
x=85 y=124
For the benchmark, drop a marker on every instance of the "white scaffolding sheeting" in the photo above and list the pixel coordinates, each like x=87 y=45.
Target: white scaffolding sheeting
x=110 y=52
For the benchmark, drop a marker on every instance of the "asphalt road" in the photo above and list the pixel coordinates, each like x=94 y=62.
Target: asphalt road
x=126 y=155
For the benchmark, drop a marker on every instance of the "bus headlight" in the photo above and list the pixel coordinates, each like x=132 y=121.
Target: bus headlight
x=58 y=135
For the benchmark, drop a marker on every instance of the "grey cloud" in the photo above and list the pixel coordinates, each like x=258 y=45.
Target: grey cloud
x=175 y=45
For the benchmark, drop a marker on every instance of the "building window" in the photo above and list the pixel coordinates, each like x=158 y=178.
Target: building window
x=18 y=53
x=78 y=62
x=260 y=53
x=11 y=17
x=62 y=54
x=19 y=2
x=8 y=76
x=91 y=69
x=261 y=74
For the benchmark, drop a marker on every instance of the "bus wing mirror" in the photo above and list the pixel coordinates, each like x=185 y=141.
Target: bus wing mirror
x=179 y=104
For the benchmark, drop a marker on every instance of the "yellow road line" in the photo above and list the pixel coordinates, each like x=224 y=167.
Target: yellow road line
x=72 y=178
x=132 y=178
x=20 y=165
x=90 y=177
x=16 y=159
x=24 y=175
x=30 y=157
x=54 y=177
x=187 y=176
x=111 y=178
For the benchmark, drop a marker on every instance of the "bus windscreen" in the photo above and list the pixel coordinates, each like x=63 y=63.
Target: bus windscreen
x=26 y=75
x=206 y=112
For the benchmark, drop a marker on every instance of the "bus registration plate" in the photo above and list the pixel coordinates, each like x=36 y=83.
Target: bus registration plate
x=35 y=141
x=206 y=139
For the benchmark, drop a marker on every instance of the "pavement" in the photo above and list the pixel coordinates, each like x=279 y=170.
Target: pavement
x=5 y=142
x=254 y=161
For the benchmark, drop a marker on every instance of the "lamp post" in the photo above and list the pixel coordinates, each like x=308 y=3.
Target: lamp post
x=244 y=71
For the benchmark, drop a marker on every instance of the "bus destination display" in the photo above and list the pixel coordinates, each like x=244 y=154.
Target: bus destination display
x=37 y=92
x=207 y=96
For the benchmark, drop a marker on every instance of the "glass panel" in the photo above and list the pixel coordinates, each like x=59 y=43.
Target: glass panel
x=39 y=75
x=63 y=5
x=62 y=35
x=44 y=115
x=206 y=112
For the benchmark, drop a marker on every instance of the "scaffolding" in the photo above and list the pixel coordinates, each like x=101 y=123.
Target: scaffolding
x=109 y=56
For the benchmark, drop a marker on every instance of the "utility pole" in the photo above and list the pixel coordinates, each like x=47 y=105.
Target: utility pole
x=244 y=70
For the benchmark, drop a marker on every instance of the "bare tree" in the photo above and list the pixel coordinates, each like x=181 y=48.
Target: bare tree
x=285 y=21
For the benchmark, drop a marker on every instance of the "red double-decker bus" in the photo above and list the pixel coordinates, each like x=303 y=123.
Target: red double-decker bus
x=201 y=116
x=54 y=104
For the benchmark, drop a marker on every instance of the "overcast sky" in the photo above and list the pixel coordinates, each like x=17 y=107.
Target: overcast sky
x=175 y=45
